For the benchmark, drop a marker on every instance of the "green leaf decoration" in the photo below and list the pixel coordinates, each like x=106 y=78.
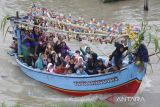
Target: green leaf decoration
x=149 y=39
x=6 y=33
x=140 y=37
x=3 y=23
x=156 y=43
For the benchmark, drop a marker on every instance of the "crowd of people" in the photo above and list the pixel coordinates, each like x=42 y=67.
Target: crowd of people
x=49 y=52
x=58 y=20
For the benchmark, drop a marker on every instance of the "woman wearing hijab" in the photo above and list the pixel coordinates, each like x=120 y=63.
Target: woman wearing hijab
x=92 y=64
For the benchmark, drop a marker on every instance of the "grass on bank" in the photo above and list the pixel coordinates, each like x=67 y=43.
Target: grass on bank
x=16 y=105
x=85 y=104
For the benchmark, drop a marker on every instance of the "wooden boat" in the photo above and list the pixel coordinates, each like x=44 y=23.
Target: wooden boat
x=126 y=81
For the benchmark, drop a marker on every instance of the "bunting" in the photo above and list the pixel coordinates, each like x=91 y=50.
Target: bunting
x=94 y=30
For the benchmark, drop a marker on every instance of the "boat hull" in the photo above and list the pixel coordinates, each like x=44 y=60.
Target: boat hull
x=129 y=89
x=125 y=81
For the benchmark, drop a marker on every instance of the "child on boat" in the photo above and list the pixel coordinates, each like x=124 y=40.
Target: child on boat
x=50 y=68
x=81 y=71
x=101 y=68
x=80 y=62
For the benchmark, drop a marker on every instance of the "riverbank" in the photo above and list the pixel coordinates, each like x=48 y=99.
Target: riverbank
x=86 y=104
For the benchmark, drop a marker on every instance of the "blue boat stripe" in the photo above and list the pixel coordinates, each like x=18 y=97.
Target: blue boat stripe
x=67 y=76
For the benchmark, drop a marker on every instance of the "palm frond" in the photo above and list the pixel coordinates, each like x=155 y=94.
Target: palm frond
x=7 y=30
x=149 y=39
x=137 y=40
x=156 y=43
x=3 y=24
x=140 y=36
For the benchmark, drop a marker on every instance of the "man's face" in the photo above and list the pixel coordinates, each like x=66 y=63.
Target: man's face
x=121 y=49
x=100 y=63
x=81 y=69
x=88 y=49
x=80 y=60
x=72 y=61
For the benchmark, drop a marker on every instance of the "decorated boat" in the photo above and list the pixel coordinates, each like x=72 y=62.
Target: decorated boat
x=126 y=81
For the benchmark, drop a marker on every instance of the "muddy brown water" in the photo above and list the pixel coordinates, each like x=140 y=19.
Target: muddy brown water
x=17 y=87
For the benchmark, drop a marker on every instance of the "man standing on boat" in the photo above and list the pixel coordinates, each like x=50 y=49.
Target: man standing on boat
x=115 y=59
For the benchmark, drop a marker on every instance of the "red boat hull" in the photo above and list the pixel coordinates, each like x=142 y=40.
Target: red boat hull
x=129 y=88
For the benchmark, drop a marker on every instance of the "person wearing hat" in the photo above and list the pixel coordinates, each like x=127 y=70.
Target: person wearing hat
x=115 y=59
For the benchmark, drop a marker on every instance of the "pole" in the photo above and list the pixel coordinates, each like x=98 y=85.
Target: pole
x=17 y=15
x=19 y=41
x=18 y=35
x=146 y=5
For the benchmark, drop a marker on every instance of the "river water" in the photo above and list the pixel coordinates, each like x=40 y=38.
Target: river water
x=17 y=87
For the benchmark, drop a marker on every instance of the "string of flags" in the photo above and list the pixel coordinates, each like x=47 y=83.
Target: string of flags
x=94 y=30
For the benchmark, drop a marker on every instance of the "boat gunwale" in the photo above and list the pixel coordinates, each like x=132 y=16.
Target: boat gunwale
x=69 y=76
